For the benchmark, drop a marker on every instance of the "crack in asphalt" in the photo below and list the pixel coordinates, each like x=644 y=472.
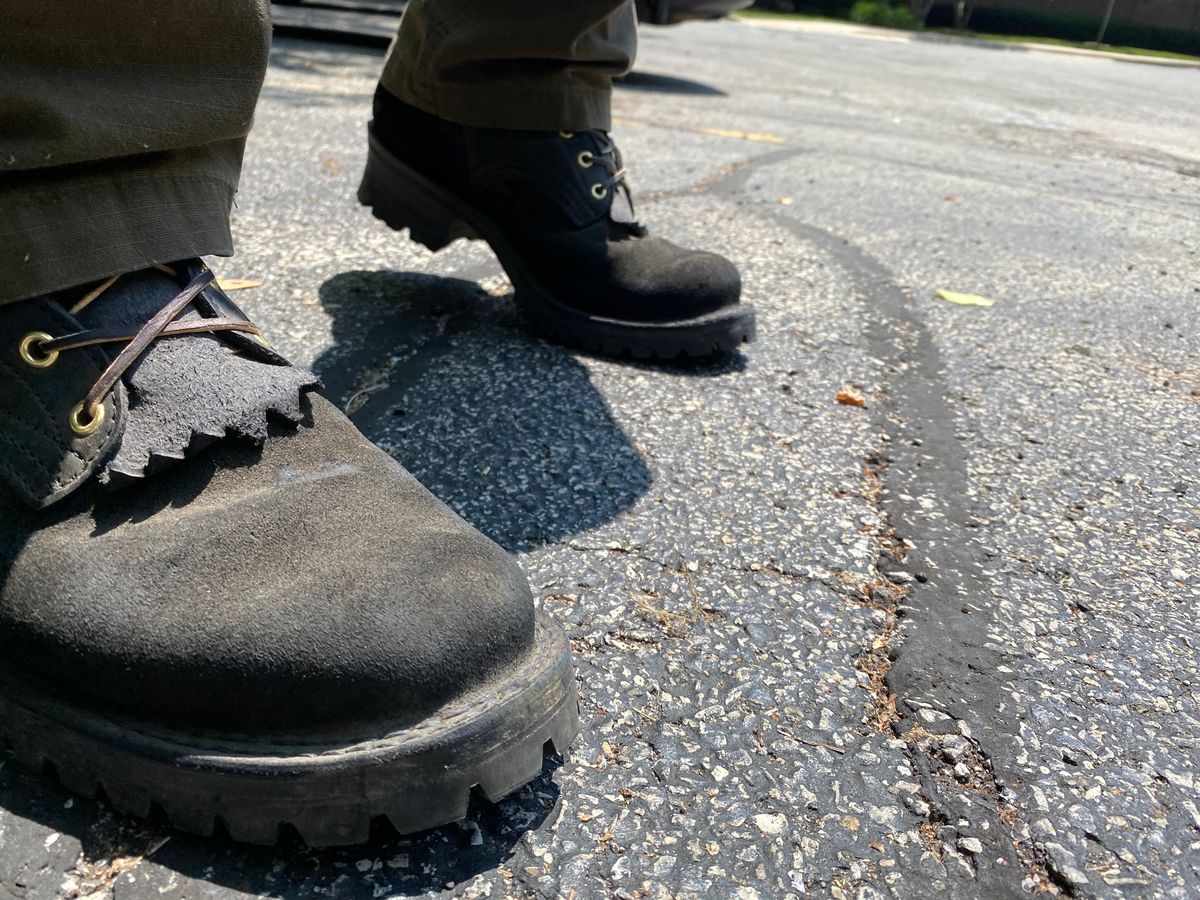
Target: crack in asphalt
x=934 y=666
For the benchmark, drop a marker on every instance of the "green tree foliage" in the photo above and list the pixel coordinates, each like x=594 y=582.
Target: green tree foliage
x=876 y=12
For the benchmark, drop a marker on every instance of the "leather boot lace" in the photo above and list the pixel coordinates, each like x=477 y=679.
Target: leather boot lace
x=41 y=349
x=608 y=157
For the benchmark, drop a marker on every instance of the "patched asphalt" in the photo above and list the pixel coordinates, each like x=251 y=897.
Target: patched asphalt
x=938 y=643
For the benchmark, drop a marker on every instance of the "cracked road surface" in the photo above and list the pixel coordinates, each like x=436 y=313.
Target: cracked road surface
x=942 y=643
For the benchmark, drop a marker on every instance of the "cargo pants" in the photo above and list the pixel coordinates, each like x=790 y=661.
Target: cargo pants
x=123 y=122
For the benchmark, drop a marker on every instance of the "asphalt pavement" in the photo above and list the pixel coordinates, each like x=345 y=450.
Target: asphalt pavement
x=942 y=642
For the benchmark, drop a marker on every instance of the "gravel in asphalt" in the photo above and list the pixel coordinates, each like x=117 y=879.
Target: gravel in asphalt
x=939 y=643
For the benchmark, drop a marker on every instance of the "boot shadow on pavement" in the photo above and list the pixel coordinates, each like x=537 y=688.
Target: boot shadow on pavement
x=655 y=82
x=507 y=429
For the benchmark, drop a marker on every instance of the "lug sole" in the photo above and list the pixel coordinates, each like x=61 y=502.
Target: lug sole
x=403 y=198
x=330 y=793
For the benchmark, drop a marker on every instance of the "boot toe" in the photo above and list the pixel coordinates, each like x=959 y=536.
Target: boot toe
x=706 y=282
x=659 y=281
x=317 y=588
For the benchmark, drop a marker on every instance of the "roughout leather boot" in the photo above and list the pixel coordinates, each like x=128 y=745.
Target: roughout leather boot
x=557 y=211
x=285 y=628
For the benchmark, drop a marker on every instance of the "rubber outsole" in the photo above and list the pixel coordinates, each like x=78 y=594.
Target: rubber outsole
x=403 y=198
x=330 y=793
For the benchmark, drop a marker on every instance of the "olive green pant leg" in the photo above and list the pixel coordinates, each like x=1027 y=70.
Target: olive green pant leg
x=542 y=65
x=122 y=124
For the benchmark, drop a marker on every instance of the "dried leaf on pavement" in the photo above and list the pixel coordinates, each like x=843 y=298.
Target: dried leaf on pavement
x=237 y=284
x=965 y=299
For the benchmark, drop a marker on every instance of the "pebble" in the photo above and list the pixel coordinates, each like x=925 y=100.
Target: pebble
x=970 y=845
x=770 y=823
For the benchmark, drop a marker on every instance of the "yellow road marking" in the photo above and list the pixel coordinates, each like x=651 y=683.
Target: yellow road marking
x=756 y=136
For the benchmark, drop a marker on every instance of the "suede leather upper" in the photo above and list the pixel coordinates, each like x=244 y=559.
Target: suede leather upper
x=289 y=581
x=586 y=251
x=307 y=586
x=41 y=458
x=179 y=394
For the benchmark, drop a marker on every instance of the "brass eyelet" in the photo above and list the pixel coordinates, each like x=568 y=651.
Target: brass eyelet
x=599 y=191
x=30 y=353
x=84 y=427
x=585 y=158
x=566 y=135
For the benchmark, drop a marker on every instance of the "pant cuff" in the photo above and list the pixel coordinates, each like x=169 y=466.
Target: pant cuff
x=57 y=234
x=566 y=103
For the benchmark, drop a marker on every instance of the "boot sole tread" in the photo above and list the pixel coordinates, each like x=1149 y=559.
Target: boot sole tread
x=331 y=793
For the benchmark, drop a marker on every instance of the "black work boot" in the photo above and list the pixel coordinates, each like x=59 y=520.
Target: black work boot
x=556 y=209
x=285 y=628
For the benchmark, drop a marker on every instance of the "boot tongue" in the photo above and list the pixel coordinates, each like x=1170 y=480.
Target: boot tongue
x=622 y=221
x=188 y=391
x=621 y=211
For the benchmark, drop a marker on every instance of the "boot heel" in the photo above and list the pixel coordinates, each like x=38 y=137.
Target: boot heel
x=401 y=198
